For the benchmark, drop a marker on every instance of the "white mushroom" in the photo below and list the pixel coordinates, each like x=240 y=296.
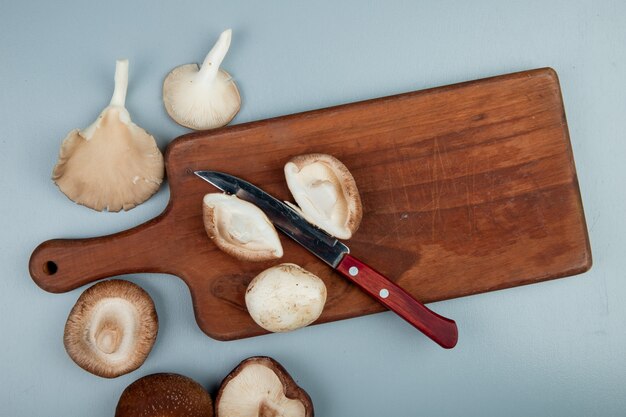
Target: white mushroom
x=111 y=329
x=326 y=193
x=261 y=387
x=113 y=164
x=204 y=97
x=285 y=297
x=240 y=228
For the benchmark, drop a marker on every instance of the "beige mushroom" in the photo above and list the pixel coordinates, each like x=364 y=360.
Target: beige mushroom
x=326 y=193
x=112 y=164
x=161 y=395
x=261 y=387
x=285 y=297
x=204 y=97
x=111 y=329
x=240 y=228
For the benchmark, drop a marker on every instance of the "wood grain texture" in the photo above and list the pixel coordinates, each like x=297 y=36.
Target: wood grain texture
x=466 y=188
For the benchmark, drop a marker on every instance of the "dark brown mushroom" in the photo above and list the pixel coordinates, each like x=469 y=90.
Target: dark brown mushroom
x=261 y=387
x=111 y=328
x=164 y=395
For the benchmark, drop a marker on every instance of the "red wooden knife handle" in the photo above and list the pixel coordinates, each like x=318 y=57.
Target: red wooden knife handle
x=440 y=329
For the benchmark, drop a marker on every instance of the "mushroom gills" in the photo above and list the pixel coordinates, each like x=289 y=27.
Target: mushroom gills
x=113 y=164
x=261 y=387
x=285 y=297
x=325 y=193
x=240 y=228
x=203 y=97
x=111 y=328
x=115 y=322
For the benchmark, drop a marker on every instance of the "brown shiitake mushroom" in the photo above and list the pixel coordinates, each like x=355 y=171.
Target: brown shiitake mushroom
x=240 y=228
x=113 y=164
x=164 y=395
x=111 y=328
x=285 y=297
x=326 y=193
x=261 y=387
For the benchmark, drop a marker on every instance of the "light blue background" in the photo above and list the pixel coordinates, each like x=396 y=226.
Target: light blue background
x=551 y=349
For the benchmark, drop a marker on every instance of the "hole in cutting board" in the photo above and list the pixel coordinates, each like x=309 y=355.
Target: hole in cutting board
x=50 y=268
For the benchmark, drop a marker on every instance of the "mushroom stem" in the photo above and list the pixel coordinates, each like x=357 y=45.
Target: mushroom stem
x=121 y=83
x=214 y=58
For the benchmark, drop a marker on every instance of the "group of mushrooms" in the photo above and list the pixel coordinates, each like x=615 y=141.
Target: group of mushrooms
x=113 y=164
x=110 y=332
x=286 y=297
x=258 y=387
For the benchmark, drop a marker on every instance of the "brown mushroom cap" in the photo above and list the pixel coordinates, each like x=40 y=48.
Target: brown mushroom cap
x=240 y=228
x=325 y=192
x=260 y=386
x=111 y=328
x=164 y=395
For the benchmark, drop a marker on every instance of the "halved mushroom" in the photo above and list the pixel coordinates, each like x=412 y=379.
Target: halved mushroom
x=204 y=97
x=113 y=164
x=111 y=328
x=160 y=395
x=240 y=228
x=261 y=387
x=326 y=193
x=285 y=297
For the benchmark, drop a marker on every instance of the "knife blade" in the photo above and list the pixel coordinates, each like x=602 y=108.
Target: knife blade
x=441 y=330
x=285 y=218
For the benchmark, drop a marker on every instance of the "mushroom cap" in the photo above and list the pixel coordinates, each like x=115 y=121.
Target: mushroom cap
x=326 y=193
x=160 y=395
x=260 y=386
x=111 y=328
x=198 y=105
x=240 y=228
x=285 y=297
x=113 y=164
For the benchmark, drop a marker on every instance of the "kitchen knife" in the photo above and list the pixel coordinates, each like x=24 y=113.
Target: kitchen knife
x=334 y=253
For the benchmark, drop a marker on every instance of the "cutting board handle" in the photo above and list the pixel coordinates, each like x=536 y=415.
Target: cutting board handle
x=60 y=265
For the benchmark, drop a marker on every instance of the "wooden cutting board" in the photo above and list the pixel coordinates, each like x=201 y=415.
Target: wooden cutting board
x=466 y=188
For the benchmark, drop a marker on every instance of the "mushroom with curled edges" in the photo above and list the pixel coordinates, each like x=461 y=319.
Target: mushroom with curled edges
x=111 y=328
x=113 y=164
x=240 y=228
x=203 y=97
x=160 y=395
x=325 y=192
x=261 y=387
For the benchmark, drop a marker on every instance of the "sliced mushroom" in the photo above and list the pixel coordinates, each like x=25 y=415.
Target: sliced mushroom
x=285 y=297
x=160 y=395
x=261 y=387
x=204 y=97
x=240 y=228
x=113 y=164
x=326 y=193
x=111 y=329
